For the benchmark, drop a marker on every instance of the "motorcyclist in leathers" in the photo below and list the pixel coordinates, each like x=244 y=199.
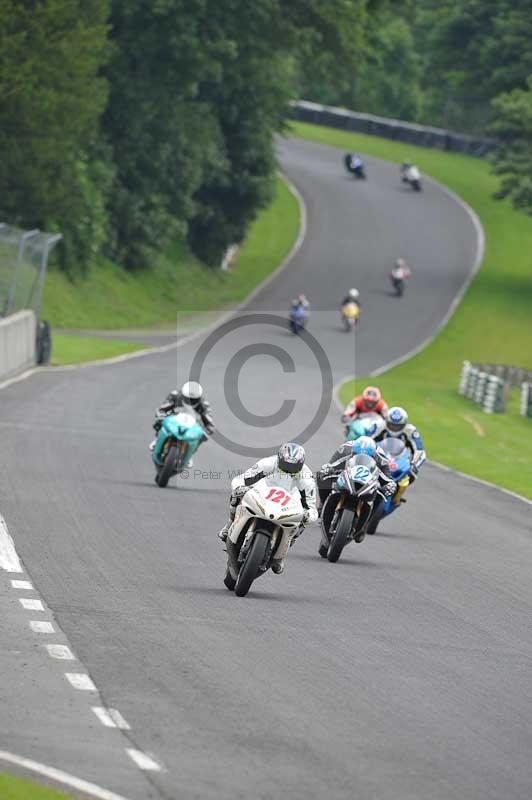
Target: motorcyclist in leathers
x=189 y=398
x=289 y=468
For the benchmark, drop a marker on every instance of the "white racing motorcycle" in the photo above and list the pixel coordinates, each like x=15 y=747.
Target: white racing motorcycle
x=267 y=514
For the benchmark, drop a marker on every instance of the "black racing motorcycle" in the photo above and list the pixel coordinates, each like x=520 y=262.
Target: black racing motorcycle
x=357 y=170
x=347 y=509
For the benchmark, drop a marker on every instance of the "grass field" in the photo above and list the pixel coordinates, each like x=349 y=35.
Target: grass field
x=113 y=298
x=493 y=323
x=77 y=349
x=18 y=789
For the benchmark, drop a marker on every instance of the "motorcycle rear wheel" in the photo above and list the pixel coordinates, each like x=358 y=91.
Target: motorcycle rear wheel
x=341 y=534
x=168 y=467
x=250 y=568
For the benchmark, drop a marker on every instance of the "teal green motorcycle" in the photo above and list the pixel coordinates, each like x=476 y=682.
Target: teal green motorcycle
x=178 y=439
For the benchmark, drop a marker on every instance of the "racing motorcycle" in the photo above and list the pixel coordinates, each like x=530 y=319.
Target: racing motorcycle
x=399 y=461
x=357 y=170
x=412 y=176
x=266 y=513
x=371 y=424
x=398 y=284
x=298 y=319
x=349 y=506
x=178 y=439
x=350 y=315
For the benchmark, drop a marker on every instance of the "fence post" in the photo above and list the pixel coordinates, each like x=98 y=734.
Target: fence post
x=494 y=398
x=464 y=377
x=526 y=399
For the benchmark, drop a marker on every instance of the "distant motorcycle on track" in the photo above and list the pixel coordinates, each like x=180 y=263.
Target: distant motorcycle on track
x=298 y=319
x=355 y=166
x=178 y=439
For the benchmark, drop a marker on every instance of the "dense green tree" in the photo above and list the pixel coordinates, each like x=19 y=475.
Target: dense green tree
x=51 y=96
x=513 y=158
x=197 y=89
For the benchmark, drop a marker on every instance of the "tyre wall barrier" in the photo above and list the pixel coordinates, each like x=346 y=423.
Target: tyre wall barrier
x=486 y=389
x=17 y=343
x=407 y=132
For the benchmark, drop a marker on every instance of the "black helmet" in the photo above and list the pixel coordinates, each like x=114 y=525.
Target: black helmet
x=291 y=457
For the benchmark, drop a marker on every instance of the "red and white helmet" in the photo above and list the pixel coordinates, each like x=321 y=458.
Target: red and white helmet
x=371 y=396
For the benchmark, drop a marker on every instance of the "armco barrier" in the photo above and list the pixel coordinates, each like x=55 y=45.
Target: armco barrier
x=407 y=132
x=17 y=343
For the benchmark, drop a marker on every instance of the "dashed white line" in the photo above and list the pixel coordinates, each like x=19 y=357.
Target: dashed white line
x=60 y=651
x=41 y=626
x=22 y=585
x=30 y=604
x=80 y=681
x=8 y=555
x=111 y=718
x=142 y=760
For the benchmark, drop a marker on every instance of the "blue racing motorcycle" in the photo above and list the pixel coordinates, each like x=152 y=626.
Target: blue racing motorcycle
x=399 y=461
x=178 y=439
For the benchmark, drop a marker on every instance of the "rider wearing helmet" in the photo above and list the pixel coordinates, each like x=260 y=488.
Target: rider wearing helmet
x=288 y=466
x=338 y=460
x=401 y=270
x=351 y=297
x=330 y=472
x=398 y=427
x=189 y=398
x=300 y=301
x=370 y=400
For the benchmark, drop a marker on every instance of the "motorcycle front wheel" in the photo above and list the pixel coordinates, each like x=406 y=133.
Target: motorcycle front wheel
x=168 y=467
x=341 y=534
x=250 y=568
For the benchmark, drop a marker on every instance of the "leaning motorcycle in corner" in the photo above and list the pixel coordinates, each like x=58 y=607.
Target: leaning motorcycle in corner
x=347 y=509
x=266 y=515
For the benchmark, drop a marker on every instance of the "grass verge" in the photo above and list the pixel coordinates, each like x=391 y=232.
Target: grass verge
x=113 y=298
x=77 y=349
x=12 y=788
x=493 y=323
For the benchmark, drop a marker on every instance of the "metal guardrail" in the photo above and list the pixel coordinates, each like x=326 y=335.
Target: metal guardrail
x=23 y=261
x=407 y=132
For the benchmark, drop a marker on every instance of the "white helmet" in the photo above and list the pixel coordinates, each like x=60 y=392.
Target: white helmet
x=291 y=457
x=191 y=392
x=353 y=294
x=396 y=420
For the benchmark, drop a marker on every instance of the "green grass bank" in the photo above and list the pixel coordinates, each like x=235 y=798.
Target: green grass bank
x=112 y=298
x=12 y=788
x=493 y=323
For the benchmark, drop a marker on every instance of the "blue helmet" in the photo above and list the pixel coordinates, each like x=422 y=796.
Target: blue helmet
x=366 y=445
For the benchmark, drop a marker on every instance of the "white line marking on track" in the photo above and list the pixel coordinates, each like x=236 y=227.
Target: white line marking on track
x=41 y=626
x=80 y=681
x=60 y=777
x=111 y=718
x=22 y=585
x=8 y=555
x=30 y=604
x=60 y=651
x=142 y=760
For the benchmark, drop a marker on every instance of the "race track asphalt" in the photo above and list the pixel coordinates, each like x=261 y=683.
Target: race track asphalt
x=401 y=673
